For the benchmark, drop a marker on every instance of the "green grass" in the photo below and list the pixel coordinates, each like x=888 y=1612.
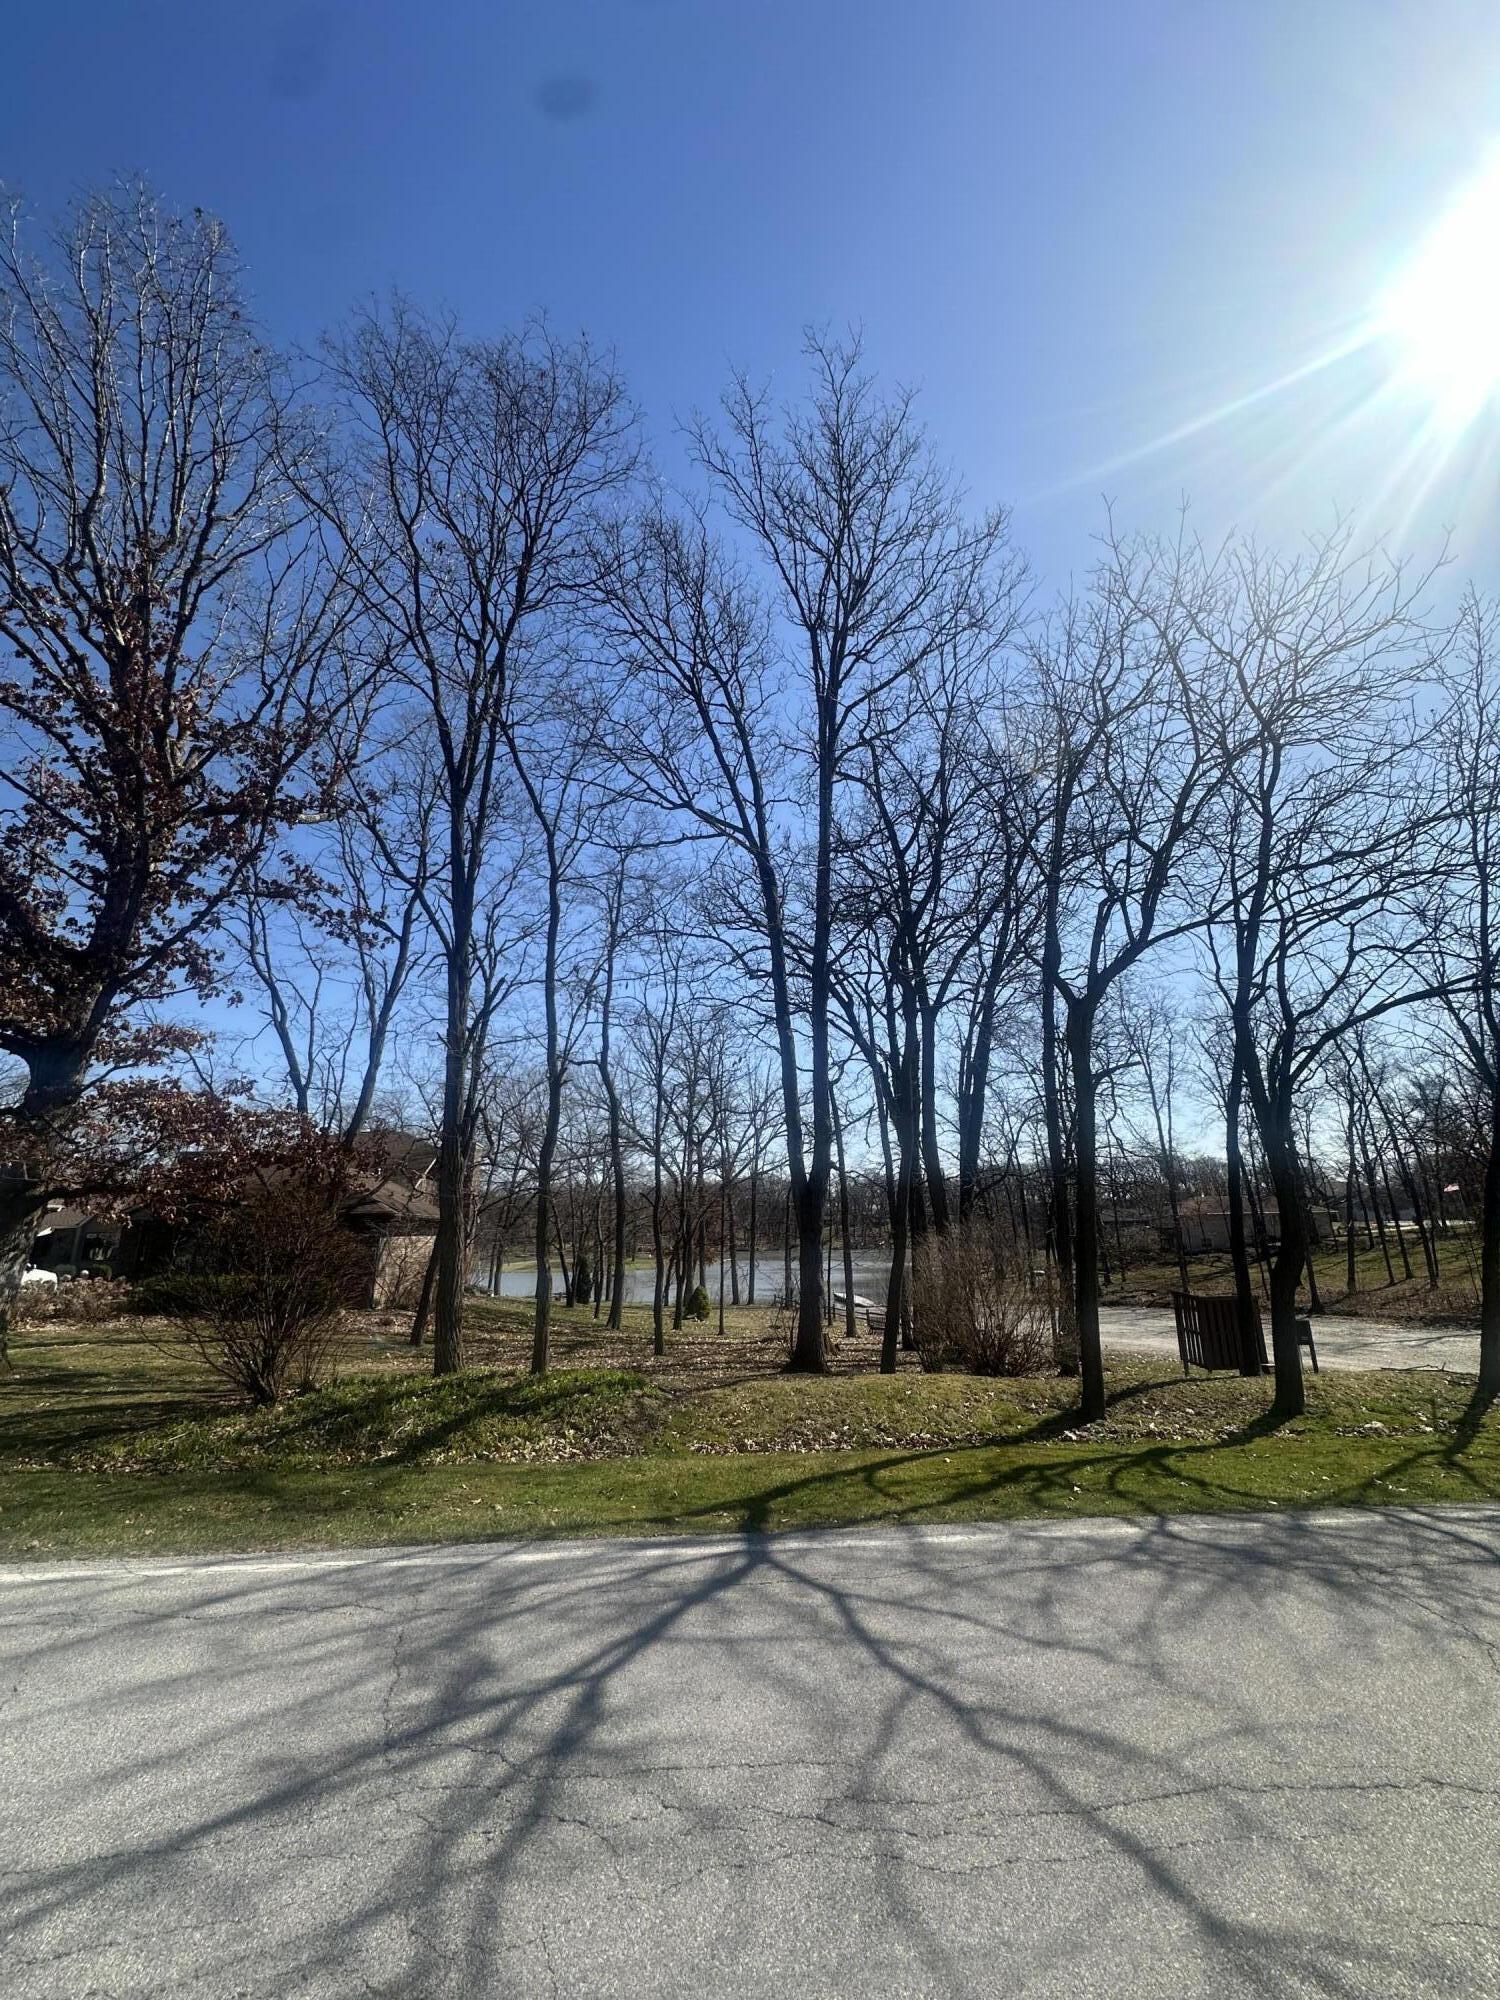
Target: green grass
x=1406 y=1302
x=110 y=1444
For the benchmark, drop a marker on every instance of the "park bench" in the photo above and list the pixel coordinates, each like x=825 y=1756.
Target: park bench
x=875 y=1321
x=1208 y=1334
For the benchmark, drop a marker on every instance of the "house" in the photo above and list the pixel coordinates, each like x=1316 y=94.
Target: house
x=396 y=1225
x=86 y=1243
x=391 y=1213
x=1205 y=1225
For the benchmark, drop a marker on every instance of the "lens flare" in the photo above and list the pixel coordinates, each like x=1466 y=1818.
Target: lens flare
x=1441 y=313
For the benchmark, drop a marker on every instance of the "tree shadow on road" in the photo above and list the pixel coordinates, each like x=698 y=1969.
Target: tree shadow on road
x=816 y=1763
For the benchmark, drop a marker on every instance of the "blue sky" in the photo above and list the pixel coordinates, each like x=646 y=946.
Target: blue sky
x=1079 y=226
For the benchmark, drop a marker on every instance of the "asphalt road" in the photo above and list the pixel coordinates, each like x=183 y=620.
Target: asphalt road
x=1343 y=1342
x=1167 y=1758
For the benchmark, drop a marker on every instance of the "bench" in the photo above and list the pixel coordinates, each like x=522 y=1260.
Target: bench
x=875 y=1321
x=1208 y=1334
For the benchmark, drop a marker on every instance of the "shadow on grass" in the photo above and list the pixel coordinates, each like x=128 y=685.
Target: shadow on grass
x=1133 y=1477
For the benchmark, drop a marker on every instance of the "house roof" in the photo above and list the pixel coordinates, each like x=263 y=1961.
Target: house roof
x=62 y=1218
x=392 y=1200
x=403 y=1154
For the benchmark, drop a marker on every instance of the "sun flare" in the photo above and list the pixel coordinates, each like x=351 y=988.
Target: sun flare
x=1441 y=313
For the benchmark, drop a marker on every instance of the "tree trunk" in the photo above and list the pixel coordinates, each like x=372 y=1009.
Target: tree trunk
x=734 y=1252
x=810 y=1348
x=722 y=1226
x=1080 y=1036
x=1351 y=1262
x=972 y=1098
x=1372 y=1184
x=541 y=1326
x=617 y=1171
x=423 y=1312
x=597 y=1292
x=569 y=1297
x=1390 y=1202
x=658 y=1258
x=754 y=1225
x=1489 y=1260
x=452 y=1177
x=932 y=1159
x=1290 y=1399
x=1059 y=1197
x=838 y=1140
x=904 y=1119
x=20 y=1212
x=1247 y=1318
x=1421 y=1215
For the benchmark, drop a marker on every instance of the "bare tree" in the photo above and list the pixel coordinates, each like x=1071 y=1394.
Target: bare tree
x=1130 y=775
x=474 y=470
x=870 y=570
x=1462 y=928
x=1314 y=839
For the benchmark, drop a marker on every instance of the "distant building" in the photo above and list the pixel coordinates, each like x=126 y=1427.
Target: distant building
x=1205 y=1225
x=392 y=1215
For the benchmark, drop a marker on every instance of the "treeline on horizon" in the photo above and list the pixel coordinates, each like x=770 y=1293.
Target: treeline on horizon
x=650 y=847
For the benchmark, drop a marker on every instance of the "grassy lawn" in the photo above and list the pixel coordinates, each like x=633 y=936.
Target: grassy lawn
x=111 y=1444
x=1455 y=1302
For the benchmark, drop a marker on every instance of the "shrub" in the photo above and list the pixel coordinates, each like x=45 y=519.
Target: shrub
x=262 y=1304
x=583 y=1279
x=973 y=1309
x=76 y=1302
x=697 y=1306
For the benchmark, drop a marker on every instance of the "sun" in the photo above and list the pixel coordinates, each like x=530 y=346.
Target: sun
x=1441 y=313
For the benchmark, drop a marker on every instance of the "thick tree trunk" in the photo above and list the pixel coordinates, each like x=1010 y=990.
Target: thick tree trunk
x=1080 y=1034
x=1489 y=1261
x=20 y=1212
x=452 y=1176
x=1059 y=1196
x=1247 y=1319
x=1290 y=1399
x=810 y=1348
x=895 y=1294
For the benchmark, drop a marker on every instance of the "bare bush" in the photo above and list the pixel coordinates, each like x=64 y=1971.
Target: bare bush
x=264 y=1306
x=974 y=1309
x=74 y=1302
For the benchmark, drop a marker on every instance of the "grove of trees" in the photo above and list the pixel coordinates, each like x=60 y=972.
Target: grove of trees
x=735 y=866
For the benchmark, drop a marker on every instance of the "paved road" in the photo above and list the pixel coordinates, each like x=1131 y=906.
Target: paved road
x=1341 y=1342
x=1252 y=1757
